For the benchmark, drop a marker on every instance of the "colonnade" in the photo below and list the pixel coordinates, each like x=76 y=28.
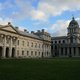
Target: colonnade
x=69 y=51
x=8 y=47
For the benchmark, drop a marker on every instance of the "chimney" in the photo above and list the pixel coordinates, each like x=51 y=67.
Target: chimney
x=38 y=31
x=43 y=30
x=25 y=30
x=32 y=32
x=16 y=28
x=9 y=23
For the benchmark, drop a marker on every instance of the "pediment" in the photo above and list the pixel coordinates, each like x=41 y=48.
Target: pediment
x=8 y=28
x=74 y=36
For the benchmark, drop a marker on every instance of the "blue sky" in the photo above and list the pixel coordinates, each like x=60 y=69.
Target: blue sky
x=51 y=15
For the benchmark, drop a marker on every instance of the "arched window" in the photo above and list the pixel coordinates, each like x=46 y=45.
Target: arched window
x=59 y=41
x=55 y=41
x=63 y=41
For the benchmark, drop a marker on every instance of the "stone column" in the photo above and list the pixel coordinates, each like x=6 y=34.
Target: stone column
x=72 y=51
x=77 y=51
x=63 y=51
x=50 y=51
x=4 y=48
x=10 y=48
x=67 y=51
x=43 y=50
x=59 y=51
x=15 y=48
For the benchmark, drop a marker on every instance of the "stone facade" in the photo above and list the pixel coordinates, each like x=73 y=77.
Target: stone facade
x=67 y=46
x=15 y=43
x=22 y=44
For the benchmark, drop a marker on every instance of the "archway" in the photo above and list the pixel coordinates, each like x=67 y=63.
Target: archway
x=74 y=51
x=13 y=52
x=7 y=52
x=66 y=51
x=42 y=55
x=1 y=51
x=61 y=51
x=56 y=52
x=79 y=50
x=70 y=53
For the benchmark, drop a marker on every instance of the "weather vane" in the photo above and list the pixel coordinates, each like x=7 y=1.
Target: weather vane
x=72 y=16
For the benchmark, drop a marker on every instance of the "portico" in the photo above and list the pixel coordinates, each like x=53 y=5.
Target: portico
x=69 y=51
x=7 y=48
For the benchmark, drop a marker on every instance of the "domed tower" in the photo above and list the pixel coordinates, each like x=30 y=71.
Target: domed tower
x=73 y=31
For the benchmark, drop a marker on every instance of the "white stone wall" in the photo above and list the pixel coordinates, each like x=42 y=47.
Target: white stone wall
x=36 y=48
x=23 y=50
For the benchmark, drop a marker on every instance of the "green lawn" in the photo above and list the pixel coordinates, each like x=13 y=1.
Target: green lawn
x=40 y=69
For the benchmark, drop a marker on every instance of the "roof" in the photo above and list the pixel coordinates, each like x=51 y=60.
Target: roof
x=23 y=33
x=60 y=37
x=73 y=22
x=28 y=34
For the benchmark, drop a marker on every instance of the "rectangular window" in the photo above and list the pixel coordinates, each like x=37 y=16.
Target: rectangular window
x=27 y=53
x=39 y=45
x=23 y=43
x=39 y=53
x=31 y=53
x=32 y=45
x=18 y=42
x=35 y=53
x=35 y=45
x=22 y=52
x=27 y=43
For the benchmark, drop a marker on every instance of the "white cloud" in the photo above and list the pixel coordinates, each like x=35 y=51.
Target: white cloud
x=56 y=7
x=60 y=28
x=38 y=15
x=44 y=9
x=5 y=21
x=24 y=9
x=78 y=20
x=49 y=9
x=42 y=12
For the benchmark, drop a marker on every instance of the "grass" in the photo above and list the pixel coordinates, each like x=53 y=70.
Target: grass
x=40 y=69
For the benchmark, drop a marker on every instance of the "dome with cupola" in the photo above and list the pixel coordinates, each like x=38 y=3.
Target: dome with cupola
x=73 y=23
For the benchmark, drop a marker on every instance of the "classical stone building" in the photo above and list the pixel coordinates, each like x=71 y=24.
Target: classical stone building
x=16 y=43
x=68 y=45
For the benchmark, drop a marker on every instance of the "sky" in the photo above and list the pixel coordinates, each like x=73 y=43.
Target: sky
x=52 y=15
